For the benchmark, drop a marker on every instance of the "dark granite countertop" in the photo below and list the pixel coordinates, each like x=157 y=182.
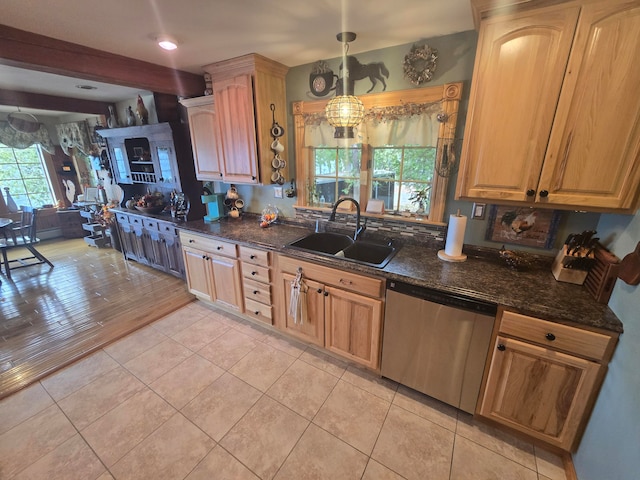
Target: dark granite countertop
x=533 y=291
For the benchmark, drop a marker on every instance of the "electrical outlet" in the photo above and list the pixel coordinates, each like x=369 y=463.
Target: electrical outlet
x=277 y=192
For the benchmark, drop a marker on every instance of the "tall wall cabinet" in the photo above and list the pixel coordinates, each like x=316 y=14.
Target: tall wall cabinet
x=202 y=127
x=554 y=115
x=244 y=88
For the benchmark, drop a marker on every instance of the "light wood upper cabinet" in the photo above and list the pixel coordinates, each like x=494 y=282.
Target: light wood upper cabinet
x=202 y=126
x=237 y=135
x=554 y=116
x=244 y=89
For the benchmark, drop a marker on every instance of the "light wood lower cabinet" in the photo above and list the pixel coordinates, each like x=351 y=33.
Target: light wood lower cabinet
x=214 y=277
x=308 y=324
x=543 y=378
x=343 y=311
x=352 y=326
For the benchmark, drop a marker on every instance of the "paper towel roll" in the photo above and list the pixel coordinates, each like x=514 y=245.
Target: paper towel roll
x=455 y=235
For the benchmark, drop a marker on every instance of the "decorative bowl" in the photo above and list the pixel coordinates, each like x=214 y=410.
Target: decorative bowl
x=156 y=209
x=269 y=214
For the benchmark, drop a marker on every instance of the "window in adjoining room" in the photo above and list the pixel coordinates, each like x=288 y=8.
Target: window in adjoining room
x=23 y=172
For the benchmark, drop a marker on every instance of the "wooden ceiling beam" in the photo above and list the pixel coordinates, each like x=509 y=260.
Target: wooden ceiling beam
x=52 y=102
x=32 y=51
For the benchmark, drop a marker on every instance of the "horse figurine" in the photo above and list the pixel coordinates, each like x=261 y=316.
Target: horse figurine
x=374 y=70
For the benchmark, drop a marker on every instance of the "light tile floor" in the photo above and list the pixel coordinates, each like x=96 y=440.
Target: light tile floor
x=200 y=394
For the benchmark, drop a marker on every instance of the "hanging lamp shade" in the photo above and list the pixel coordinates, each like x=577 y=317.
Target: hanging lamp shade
x=344 y=112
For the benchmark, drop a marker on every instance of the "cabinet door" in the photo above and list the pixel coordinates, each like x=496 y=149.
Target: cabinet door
x=538 y=391
x=309 y=326
x=235 y=116
x=167 y=165
x=119 y=162
x=202 y=125
x=198 y=273
x=172 y=254
x=226 y=280
x=517 y=77
x=352 y=326
x=594 y=149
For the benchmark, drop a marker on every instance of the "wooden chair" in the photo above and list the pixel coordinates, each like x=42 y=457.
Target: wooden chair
x=23 y=235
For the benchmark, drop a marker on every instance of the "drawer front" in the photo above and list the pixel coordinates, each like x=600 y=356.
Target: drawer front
x=585 y=343
x=169 y=228
x=255 y=272
x=209 y=244
x=150 y=223
x=122 y=217
x=256 y=291
x=135 y=220
x=258 y=310
x=372 y=287
x=253 y=255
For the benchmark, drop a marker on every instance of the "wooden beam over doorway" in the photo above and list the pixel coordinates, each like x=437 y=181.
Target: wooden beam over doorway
x=32 y=51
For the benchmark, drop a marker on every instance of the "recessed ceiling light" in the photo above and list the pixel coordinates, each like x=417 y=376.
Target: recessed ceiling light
x=86 y=87
x=167 y=43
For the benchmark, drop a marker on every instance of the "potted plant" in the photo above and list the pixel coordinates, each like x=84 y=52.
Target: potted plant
x=420 y=198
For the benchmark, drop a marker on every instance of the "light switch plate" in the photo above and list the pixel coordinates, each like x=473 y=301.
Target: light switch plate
x=277 y=192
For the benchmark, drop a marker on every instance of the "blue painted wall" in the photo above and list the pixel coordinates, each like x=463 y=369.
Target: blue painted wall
x=610 y=448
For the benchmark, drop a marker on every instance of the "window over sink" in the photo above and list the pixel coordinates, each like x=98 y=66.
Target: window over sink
x=403 y=153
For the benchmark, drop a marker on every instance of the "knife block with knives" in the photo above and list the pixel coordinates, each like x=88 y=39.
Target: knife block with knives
x=575 y=258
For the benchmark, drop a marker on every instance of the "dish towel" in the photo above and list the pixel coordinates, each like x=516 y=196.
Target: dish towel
x=298 y=299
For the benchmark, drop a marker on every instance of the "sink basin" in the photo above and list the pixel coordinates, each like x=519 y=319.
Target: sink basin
x=370 y=253
x=323 y=242
x=343 y=246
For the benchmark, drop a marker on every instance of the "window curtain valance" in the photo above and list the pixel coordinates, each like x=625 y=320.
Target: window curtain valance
x=410 y=124
x=15 y=139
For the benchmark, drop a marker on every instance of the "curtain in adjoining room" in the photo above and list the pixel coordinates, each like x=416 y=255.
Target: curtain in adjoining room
x=15 y=139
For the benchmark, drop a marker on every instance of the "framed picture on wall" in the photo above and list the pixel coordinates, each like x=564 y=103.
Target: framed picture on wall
x=532 y=227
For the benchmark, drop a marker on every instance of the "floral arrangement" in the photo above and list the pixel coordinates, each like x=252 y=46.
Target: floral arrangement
x=105 y=216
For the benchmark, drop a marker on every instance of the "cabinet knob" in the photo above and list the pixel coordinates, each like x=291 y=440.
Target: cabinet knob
x=253 y=178
x=218 y=247
x=544 y=193
x=326 y=294
x=204 y=257
x=319 y=290
x=252 y=257
x=501 y=347
x=255 y=292
x=254 y=273
x=257 y=312
x=191 y=240
x=220 y=175
x=531 y=192
x=550 y=336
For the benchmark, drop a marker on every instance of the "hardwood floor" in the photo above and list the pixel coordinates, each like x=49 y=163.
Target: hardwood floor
x=51 y=317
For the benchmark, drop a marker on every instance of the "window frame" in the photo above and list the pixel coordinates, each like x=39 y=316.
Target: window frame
x=448 y=94
x=39 y=151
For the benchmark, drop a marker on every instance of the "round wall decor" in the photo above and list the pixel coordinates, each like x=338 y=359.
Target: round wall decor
x=420 y=63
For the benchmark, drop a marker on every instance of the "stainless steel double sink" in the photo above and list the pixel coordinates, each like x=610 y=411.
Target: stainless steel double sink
x=342 y=246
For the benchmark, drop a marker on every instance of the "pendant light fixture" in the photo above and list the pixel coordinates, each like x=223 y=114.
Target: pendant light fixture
x=345 y=111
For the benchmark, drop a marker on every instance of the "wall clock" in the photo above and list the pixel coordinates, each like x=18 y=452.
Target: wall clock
x=321 y=83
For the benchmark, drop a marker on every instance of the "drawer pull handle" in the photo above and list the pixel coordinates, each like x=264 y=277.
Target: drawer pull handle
x=255 y=292
x=218 y=247
x=254 y=273
x=501 y=347
x=191 y=240
x=257 y=312
x=346 y=282
x=550 y=336
x=252 y=257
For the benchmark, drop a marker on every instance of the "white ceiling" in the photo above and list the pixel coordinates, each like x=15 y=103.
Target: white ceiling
x=293 y=32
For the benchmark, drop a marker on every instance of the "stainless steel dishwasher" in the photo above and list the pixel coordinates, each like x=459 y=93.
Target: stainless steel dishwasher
x=436 y=342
